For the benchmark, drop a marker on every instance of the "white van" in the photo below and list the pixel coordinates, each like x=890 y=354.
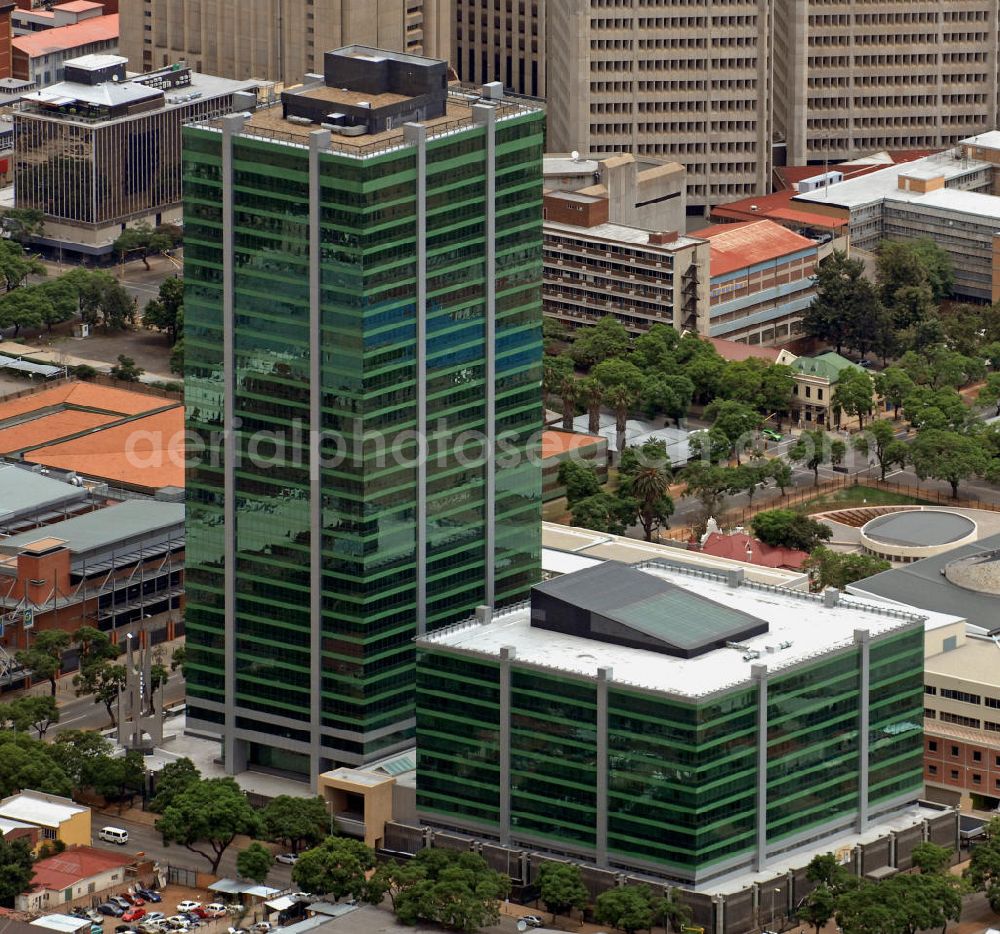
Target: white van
x=114 y=835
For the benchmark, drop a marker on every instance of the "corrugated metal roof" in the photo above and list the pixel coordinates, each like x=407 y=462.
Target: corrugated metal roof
x=736 y=246
x=23 y=491
x=104 y=528
x=62 y=38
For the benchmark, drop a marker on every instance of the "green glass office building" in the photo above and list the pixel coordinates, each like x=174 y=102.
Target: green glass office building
x=680 y=723
x=362 y=375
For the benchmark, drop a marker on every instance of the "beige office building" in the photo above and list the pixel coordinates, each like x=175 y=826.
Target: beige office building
x=277 y=40
x=854 y=77
x=687 y=82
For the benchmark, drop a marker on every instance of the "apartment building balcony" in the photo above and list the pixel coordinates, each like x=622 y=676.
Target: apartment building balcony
x=625 y=290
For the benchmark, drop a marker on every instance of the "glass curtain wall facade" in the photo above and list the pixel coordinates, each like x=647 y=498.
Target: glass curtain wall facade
x=342 y=552
x=680 y=776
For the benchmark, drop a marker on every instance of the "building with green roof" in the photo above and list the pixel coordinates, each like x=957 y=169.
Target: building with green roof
x=812 y=394
x=683 y=723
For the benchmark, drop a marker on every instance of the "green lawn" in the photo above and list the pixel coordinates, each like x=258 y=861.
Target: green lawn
x=851 y=497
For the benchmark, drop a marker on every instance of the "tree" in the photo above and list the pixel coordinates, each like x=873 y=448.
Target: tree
x=989 y=393
x=935 y=408
x=254 y=862
x=31 y=712
x=77 y=753
x=166 y=312
x=178 y=659
x=913 y=264
x=879 y=440
x=26 y=762
x=63 y=299
x=44 y=657
x=173 y=779
x=94 y=646
x=815 y=448
x=736 y=421
x=832 y=569
x=177 y=358
x=336 y=867
x=393 y=879
x=118 y=308
x=785 y=528
x=654 y=349
x=710 y=446
x=818 y=907
x=864 y=910
x=126 y=370
x=296 y=821
x=844 y=299
x=25 y=308
x=16 y=870
x=23 y=224
x=105 y=681
x=608 y=338
x=591 y=394
x=780 y=472
x=458 y=891
x=947 y=455
x=667 y=394
x=670 y=911
x=579 y=480
x=853 y=394
x=605 y=512
x=16 y=266
x=894 y=385
x=627 y=908
x=207 y=816
x=824 y=868
x=559 y=379
x=622 y=382
x=143 y=239
x=116 y=778
x=561 y=888
x=644 y=477
x=929 y=857
x=709 y=484
x=983 y=873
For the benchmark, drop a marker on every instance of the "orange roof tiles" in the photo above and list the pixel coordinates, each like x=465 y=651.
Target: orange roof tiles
x=83 y=395
x=807 y=218
x=51 y=427
x=559 y=442
x=737 y=246
x=144 y=453
x=63 y=38
x=78 y=6
x=76 y=864
x=734 y=351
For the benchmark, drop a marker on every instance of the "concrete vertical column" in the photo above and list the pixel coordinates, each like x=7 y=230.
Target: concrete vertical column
x=759 y=675
x=862 y=640
x=319 y=141
x=604 y=675
x=485 y=115
x=416 y=136
x=233 y=753
x=507 y=656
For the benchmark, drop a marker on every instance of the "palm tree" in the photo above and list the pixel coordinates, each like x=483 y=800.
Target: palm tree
x=569 y=389
x=650 y=487
x=621 y=398
x=591 y=394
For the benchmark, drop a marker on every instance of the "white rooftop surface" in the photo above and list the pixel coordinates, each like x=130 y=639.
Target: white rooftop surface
x=64 y=923
x=801 y=619
x=979 y=204
x=38 y=811
x=638 y=432
x=95 y=61
x=7 y=825
x=619 y=233
x=558 y=540
x=563 y=562
x=874 y=186
x=988 y=140
x=565 y=165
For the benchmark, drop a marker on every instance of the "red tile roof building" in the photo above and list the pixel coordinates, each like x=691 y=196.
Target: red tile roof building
x=761 y=281
x=62 y=879
x=742 y=547
x=40 y=56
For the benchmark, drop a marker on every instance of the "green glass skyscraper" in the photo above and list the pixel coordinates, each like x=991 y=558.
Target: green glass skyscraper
x=362 y=374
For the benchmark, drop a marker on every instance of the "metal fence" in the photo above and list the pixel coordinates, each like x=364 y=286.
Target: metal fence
x=182 y=875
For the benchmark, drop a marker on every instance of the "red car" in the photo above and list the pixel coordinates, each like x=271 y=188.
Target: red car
x=134 y=914
x=200 y=912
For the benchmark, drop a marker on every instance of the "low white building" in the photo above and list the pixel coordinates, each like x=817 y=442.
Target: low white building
x=80 y=872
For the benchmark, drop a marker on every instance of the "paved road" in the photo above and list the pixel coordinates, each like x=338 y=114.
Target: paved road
x=142 y=837
x=81 y=713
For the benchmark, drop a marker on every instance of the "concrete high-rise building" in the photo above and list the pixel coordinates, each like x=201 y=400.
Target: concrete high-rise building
x=851 y=78
x=277 y=40
x=503 y=43
x=363 y=368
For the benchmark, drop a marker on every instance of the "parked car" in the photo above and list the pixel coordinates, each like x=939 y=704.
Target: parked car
x=79 y=912
x=94 y=916
x=121 y=902
x=289 y=859
x=188 y=906
x=111 y=909
x=198 y=912
x=125 y=929
x=96 y=928
x=150 y=927
x=154 y=916
x=177 y=922
x=533 y=921
x=216 y=910
x=134 y=914
x=151 y=895
x=261 y=927
x=192 y=919
x=128 y=896
x=771 y=435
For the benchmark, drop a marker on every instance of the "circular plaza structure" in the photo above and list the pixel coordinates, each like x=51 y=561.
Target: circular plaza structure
x=912 y=534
